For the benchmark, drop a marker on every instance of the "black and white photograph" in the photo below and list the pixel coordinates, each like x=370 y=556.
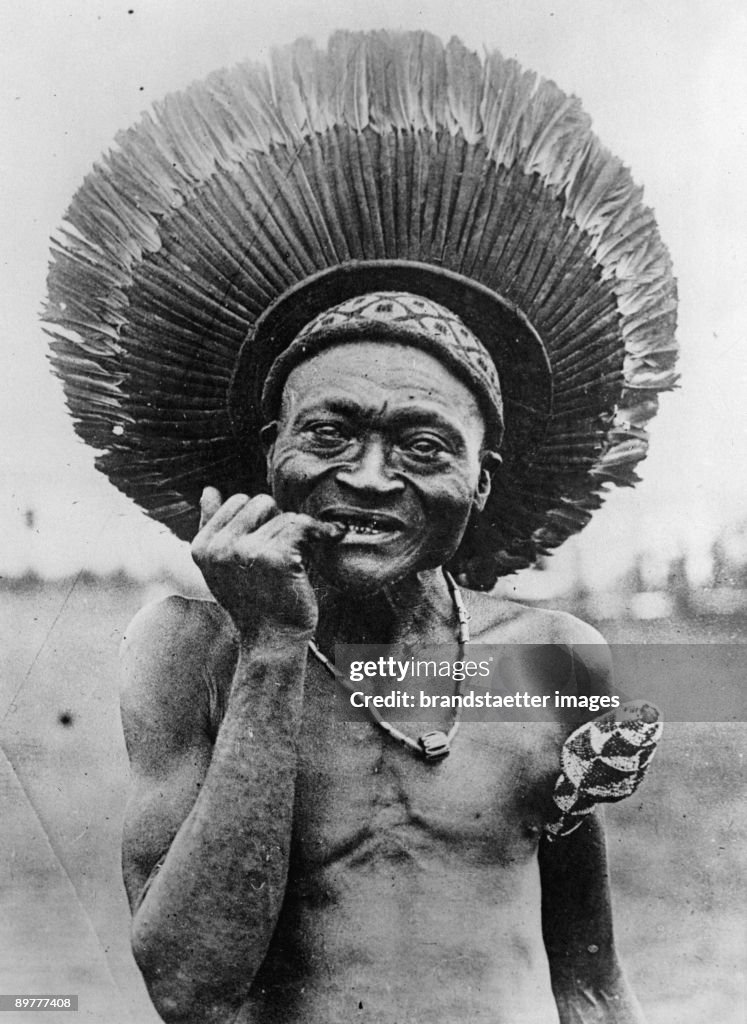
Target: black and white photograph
x=373 y=530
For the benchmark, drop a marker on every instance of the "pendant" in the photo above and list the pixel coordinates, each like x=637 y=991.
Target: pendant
x=434 y=745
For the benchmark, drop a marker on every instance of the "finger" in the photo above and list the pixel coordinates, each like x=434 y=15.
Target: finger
x=298 y=530
x=210 y=502
x=251 y=516
x=224 y=514
x=312 y=537
x=286 y=532
x=319 y=531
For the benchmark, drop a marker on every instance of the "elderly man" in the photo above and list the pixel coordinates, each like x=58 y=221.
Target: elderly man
x=325 y=296
x=314 y=871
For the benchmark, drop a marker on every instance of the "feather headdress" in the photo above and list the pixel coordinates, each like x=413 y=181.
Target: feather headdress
x=224 y=221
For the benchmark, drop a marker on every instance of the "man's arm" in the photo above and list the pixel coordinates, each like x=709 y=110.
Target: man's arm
x=587 y=980
x=207 y=833
x=204 y=919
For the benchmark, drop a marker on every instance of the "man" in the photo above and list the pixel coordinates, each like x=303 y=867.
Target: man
x=336 y=255
x=311 y=870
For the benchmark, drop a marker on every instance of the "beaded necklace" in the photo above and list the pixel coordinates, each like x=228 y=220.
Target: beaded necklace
x=431 y=746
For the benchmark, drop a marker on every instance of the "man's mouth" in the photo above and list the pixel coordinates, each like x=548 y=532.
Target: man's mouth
x=362 y=523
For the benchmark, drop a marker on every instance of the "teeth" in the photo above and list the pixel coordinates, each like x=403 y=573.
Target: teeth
x=358 y=526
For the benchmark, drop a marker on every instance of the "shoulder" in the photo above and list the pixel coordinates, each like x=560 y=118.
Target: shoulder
x=574 y=644
x=175 y=622
x=585 y=647
x=499 y=620
x=176 y=658
x=176 y=638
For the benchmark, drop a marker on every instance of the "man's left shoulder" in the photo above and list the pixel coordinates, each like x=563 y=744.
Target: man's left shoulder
x=563 y=628
x=554 y=642
x=499 y=620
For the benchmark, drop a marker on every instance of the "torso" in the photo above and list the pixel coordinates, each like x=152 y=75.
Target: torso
x=413 y=893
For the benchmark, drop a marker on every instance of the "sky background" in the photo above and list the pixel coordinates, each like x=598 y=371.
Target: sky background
x=665 y=82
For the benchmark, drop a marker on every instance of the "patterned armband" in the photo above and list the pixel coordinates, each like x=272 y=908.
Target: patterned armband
x=604 y=761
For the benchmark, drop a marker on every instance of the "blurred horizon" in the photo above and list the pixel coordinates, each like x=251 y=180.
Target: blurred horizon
x=55 y=529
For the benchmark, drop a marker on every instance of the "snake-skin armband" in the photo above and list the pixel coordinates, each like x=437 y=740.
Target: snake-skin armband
x=603 y=761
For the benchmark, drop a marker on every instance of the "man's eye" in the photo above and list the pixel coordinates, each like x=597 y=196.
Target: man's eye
x=426 y=447
x=327 y=432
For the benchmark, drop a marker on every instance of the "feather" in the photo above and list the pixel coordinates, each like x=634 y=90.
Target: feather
x=383 y=146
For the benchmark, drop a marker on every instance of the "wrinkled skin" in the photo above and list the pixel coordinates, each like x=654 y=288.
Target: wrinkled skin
x=404 y=445
x=284 y=866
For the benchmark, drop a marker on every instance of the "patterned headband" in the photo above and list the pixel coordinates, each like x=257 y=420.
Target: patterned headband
x=402 y=317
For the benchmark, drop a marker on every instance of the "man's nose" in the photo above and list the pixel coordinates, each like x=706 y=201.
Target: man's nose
x=370 y=471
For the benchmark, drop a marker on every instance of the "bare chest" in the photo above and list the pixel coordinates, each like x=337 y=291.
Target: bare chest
x=361 y=797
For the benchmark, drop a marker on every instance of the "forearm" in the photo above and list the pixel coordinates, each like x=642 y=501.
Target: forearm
x=587 y=980
x=206 y=921
x=602 y=998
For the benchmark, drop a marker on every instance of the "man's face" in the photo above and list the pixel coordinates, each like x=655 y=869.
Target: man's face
x=382 y=438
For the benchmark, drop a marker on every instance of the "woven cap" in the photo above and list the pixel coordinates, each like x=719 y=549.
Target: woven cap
x=402 y=317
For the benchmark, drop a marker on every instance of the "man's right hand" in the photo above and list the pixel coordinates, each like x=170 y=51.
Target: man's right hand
x=253 y=556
